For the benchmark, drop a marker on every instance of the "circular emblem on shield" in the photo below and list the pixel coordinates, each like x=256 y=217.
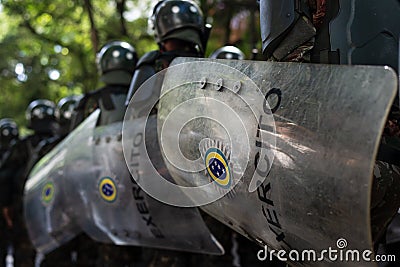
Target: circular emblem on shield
x=217 y=167
x=108 y=189
x=48 y=192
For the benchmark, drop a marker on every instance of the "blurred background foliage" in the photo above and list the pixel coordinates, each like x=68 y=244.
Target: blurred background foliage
x=48 y=47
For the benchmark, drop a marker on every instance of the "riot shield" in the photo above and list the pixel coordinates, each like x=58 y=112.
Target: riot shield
x=294 y=160
x=118 y=211
x=50 y=203
x=79 y=173
x=48 y=225
x=83 y=184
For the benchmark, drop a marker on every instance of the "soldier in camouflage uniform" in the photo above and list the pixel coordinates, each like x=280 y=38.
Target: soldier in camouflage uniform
x=344 y=32
x=390 y=242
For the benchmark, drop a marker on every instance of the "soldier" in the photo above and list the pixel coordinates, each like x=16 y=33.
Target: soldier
x=64 y=111
x=14 y=170
x=228 y=52
x=9 y=135
x=66 y=255
x=41 y=119
x=116 y=63
x=321 y=31
x=179 y=30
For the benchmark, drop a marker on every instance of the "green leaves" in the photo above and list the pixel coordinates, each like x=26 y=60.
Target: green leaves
x=53 y=43
x=47 y=50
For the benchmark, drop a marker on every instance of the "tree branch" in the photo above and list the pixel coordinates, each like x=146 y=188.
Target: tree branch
x=121 y=9
x=43 y=37
x=94 y=35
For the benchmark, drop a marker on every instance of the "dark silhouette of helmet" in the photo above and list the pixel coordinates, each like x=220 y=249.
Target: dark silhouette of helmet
x=116 y=62
x=65 y=108
x=8 y=132
x=64 y=113
x=178 y=19
x=40 y=115
x=228 y=52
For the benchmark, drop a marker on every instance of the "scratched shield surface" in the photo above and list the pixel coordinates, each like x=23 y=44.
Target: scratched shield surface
x=48 y=225
x=84 y=185
x=136 y=218
x=51 y=203
x=111 y=208
x=328 y=122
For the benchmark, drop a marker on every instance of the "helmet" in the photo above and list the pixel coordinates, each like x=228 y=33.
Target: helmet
x=228 y=52
x=65 y=108
x=116 y=62
x=178 y=19
x=40 y=115
x=8 y=131
x=64 y=112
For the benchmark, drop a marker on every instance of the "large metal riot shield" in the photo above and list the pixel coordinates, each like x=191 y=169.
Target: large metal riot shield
x=50 y=202
x=284 y=151
x=79 y=173
x=83 y=184
x=118 y=211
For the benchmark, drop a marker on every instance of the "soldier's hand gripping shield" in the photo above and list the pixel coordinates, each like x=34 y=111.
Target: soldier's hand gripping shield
x=284 y=153
x=51 y=199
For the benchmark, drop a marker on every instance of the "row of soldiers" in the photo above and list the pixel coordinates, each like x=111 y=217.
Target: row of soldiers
x=121 y=72
x=50 y=124
x=180 y=31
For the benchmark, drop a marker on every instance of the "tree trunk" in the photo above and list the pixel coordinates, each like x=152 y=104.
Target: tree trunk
x=93 y=30
x=121 y=9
